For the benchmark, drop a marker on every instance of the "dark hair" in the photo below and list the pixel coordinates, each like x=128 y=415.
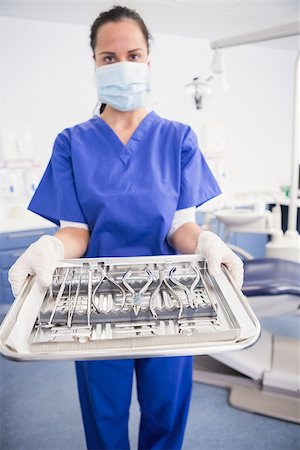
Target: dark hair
x=116 y=14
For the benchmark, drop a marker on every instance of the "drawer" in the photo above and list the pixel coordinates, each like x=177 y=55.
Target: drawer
x=19 y=239
x=6 y=296
x=8 y=257
x=4 y=283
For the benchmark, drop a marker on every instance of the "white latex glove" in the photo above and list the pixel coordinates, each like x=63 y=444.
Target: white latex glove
x=39 y=259
x=215 y=251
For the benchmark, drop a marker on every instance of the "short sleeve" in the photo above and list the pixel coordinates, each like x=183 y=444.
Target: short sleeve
x=197 y=184
x=55 y=197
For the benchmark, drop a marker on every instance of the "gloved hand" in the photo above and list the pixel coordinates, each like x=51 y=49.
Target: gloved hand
x=39 y=259
x=215 y=251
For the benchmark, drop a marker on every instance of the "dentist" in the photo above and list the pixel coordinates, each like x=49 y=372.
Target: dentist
x=126 y=182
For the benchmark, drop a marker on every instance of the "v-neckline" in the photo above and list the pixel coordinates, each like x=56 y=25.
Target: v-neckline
x=124 y=151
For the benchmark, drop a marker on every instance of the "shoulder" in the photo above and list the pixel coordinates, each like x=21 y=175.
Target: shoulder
x=173 y=124
x=185 y=134
x=68 y=134
x=64 y=141
x=82 y=126
x=181 y=130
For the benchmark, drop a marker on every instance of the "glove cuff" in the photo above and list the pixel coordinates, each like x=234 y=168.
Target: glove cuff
x=57 y=245
x=204 y=237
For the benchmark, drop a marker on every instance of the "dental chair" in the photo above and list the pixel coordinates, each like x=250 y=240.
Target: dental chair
x=264 y=378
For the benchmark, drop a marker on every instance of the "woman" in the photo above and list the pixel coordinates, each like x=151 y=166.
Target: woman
x=124 y=183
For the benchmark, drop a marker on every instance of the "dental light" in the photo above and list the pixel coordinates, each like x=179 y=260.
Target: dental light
x=201 y=87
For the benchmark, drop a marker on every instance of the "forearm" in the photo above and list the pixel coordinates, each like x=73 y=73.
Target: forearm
x=185 y=238
x=75 y=241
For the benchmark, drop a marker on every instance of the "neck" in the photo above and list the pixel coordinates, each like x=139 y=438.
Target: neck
x=123 y=119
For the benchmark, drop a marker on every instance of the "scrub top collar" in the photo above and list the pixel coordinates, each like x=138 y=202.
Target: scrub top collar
x=124 y=151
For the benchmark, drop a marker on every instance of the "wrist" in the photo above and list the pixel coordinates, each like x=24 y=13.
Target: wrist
x=204 y=237
x=56 y=244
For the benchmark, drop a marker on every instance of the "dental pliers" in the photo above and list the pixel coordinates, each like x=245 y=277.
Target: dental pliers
x=163 y=280
x=103 y=276
x=137 y=296
x=190 y=292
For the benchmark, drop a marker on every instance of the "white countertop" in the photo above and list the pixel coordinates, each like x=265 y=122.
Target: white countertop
x=227 y=200
x=18 y=218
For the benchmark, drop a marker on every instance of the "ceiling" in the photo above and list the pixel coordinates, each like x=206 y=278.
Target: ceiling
x=212 y=20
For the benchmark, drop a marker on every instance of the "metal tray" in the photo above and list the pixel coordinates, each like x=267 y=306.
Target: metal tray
x=129 y=307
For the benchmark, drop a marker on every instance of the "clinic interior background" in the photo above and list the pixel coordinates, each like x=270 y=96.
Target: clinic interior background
x=245 y=132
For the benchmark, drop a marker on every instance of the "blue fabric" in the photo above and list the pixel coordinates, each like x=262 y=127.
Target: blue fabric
x=128 y=195
x=164 y=387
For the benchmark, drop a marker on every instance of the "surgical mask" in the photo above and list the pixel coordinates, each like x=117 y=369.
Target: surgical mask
x=123 y=85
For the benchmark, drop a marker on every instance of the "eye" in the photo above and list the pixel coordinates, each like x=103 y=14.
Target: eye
x=110 y=58
x=135 y=57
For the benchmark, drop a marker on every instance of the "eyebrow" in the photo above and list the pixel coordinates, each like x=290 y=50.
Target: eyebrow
x=129 y=51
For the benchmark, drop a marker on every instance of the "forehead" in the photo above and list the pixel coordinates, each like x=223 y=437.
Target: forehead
x=117 y=35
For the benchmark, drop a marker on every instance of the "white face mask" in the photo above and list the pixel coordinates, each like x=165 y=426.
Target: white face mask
x=123 y=85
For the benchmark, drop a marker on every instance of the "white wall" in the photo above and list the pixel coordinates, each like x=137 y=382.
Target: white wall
x=47 y=84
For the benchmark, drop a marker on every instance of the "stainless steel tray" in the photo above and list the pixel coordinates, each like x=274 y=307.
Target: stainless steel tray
x=129 y=307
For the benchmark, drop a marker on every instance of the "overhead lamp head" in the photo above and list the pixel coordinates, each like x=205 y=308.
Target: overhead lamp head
x=199 y=88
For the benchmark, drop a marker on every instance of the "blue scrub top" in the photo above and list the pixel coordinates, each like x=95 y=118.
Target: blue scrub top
x=127 y=194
